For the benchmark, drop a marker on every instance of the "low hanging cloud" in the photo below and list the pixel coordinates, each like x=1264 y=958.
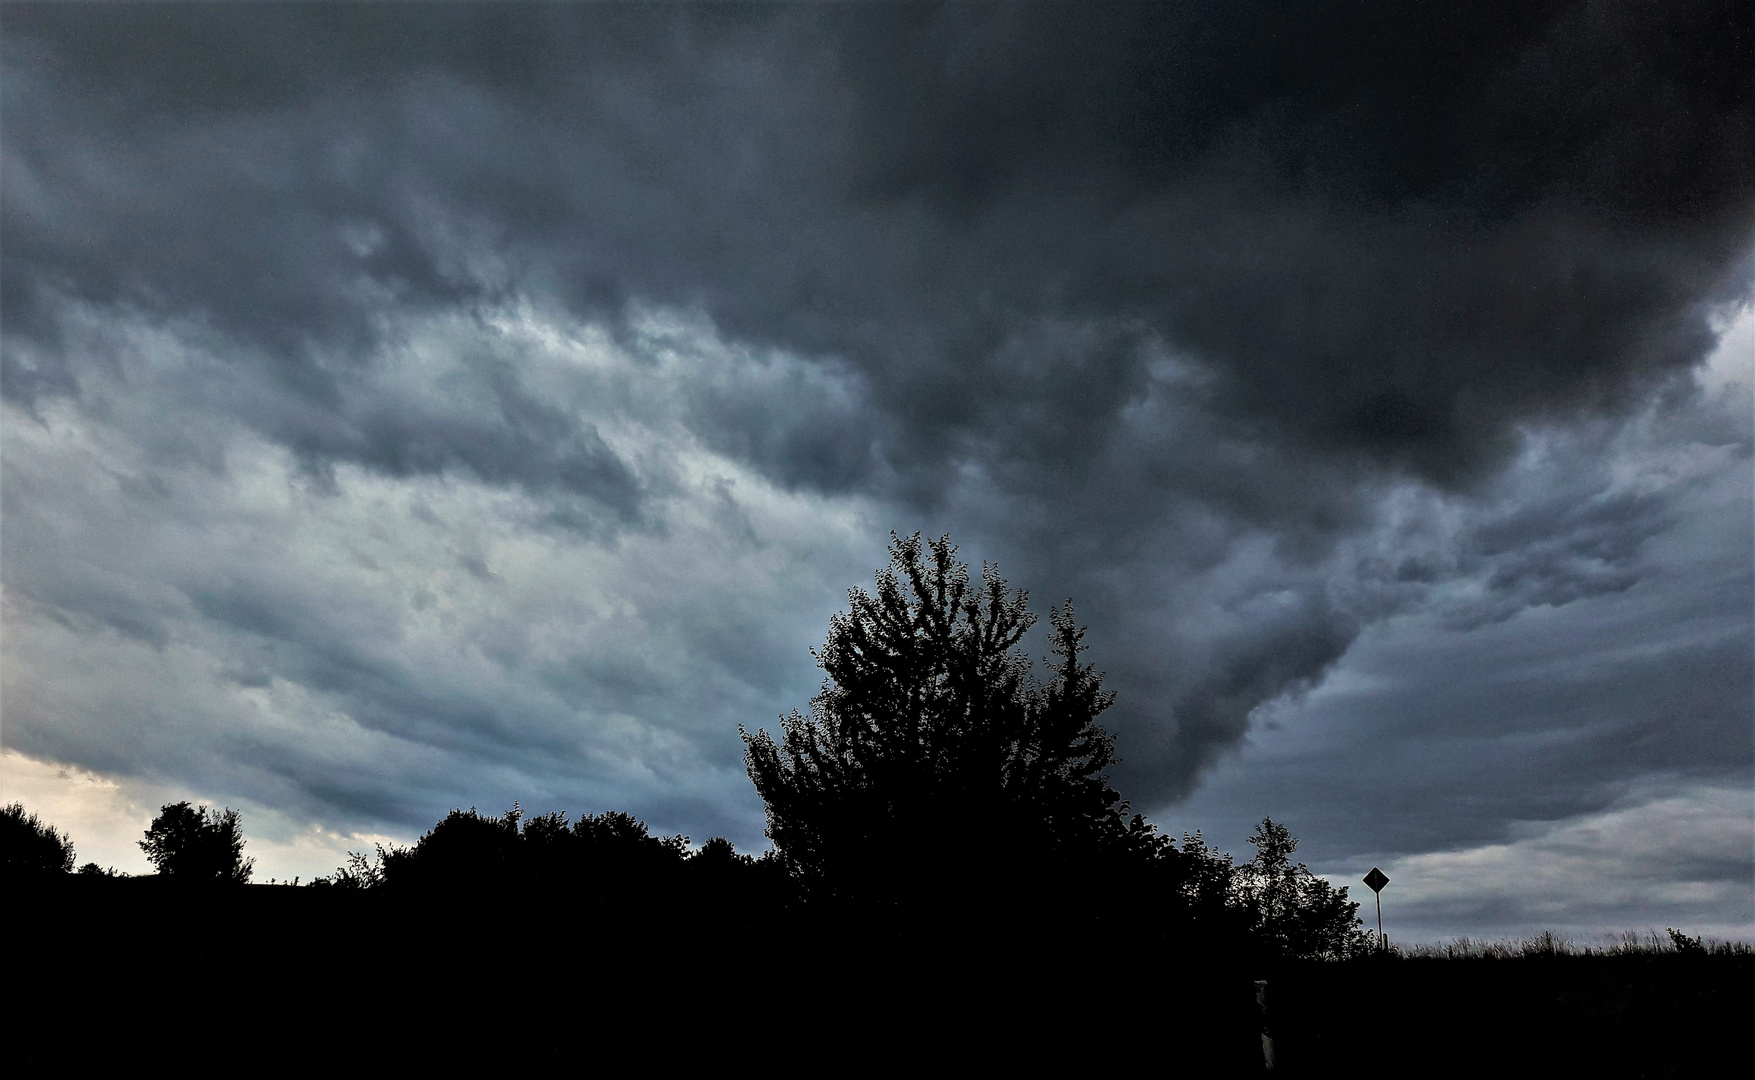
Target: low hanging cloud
x=1679 y=851
x=503 y=387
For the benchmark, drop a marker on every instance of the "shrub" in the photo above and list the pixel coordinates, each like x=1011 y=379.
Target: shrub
x=469 y=850
x=934 y=758
x=359 y=873
x=198 y=844
x=1685 y=944
x=31 y=847
x=1294 y=912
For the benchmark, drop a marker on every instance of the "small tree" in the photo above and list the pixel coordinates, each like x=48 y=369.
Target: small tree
x=198 y=844
x=1294 y=912
x=31 y=847
x=933 y=755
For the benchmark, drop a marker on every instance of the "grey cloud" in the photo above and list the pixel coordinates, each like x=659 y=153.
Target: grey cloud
x=1430 y=737
x=341 y=654
x=1549 y=554
x=1394 y=260
x=1667 y=854
x=516 y=440
x=1153 y=303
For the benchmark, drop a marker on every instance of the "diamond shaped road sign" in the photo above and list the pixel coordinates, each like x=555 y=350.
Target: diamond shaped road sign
x=1377 y=879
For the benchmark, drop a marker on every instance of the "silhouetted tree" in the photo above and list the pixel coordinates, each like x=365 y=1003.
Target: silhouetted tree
x=31 y=847
x=359 y=872
x=466 y=849
x=193 y=843
x=717 y=853
x=600 y=854
x=1292 y=911
x=933 y=759
x=1200 y=894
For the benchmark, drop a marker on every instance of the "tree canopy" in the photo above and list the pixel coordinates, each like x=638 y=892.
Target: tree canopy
x=30 y=846
x=1292 y=911
x=469 y=849
x=193 y=843
x=933 y=749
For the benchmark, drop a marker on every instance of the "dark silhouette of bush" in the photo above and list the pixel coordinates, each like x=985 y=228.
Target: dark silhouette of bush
x=602 y=867
x=936 y=778
x=760 y=884
x=1197 y=906
x=360 y=872
x=599 y=854
x=465 y=850
x=615 y=850
x=198 y=844
x=938 y=787
x=31 y=847
x=716 y=854
x=1292 y=912
x=934 y=767
x=1682 y=943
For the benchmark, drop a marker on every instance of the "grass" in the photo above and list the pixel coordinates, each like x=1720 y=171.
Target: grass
x=1547 y=943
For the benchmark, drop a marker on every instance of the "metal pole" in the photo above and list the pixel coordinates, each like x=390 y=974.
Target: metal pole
x=1381 y=947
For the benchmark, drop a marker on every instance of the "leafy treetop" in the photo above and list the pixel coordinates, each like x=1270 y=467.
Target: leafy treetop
x=193 y=843
x=30 y=846
x=933 y=752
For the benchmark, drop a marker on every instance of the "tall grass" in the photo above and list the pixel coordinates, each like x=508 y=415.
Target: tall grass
x=1549 y=944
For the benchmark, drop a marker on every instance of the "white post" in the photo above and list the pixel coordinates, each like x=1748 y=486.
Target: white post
x=1267 y=1041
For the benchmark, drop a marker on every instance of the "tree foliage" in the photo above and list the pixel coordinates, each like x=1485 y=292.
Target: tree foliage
x=30 y=846
x=1291 y=911
x=608 y=856
x=934 y=764
x=469 y=849
x=933 y=753
x=193 y=843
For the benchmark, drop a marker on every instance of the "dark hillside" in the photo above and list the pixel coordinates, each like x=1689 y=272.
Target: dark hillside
x=104 y=966
x=111 y=965
x=1650 y=1014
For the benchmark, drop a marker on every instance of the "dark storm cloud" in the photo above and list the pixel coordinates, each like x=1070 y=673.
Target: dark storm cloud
x=1140 y=295
x=1389 y=231
x=1439 y=729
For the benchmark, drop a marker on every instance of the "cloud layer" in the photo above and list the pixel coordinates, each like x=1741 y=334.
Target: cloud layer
x=417 y=408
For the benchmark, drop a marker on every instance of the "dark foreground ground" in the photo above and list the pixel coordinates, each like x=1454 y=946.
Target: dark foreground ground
x=1640 y=1015
x=135 y=970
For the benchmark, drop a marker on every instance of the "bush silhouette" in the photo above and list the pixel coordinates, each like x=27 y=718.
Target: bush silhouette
x=471 y=851
x=1682 y=943
x=30 y=847
x=467 y=848
x=192 y=843
x=933 y=760
x=1292 y=912
x=360 y=872
x=939 y=785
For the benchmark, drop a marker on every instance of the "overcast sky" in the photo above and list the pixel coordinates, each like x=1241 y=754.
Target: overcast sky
x=419 y=407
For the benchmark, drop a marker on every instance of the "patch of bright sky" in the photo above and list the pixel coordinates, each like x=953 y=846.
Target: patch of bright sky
x=1586 y=875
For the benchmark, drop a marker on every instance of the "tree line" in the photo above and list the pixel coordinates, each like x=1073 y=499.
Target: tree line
x=939 y=783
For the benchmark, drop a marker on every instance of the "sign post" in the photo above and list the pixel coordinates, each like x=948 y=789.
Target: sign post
x=1377 y=879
